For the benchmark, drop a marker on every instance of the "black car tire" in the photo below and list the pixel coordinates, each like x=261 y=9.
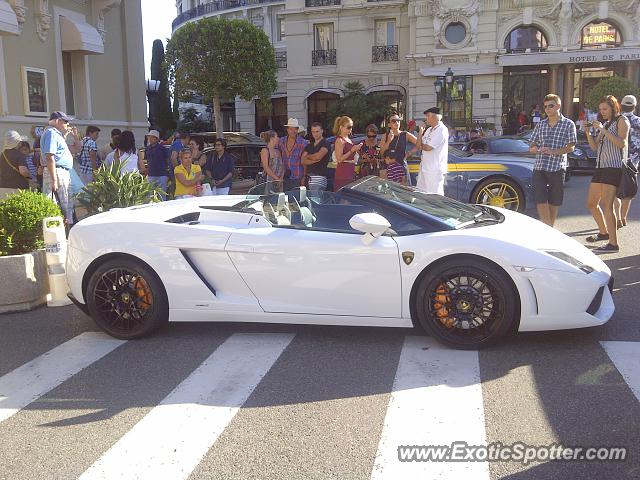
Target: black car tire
x=127 y=299
x=466 y=303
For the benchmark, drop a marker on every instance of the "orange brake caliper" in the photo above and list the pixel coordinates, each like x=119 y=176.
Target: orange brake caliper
x=142 y=290
x=441 y=304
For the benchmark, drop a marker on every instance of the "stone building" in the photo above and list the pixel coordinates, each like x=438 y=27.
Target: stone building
x=81 y=56
x=479 y=60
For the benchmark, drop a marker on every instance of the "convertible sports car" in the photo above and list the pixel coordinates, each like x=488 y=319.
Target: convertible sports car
x=373 y=254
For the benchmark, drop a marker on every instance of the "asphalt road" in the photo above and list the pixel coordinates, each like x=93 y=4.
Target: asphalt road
x=314 y=402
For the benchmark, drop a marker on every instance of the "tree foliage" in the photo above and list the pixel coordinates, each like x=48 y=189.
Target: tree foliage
x=221 y=59
x=163 y=116
x=362 y=108
x=616 y=86
x=192 y=121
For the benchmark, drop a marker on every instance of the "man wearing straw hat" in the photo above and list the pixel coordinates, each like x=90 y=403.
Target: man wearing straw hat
x=13 y=166
x=291 y=149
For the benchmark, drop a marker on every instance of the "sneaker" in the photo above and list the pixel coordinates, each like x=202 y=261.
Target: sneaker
x=606 y=248
x=597 y=238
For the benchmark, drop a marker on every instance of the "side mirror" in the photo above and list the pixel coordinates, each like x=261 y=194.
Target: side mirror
x=372 y=225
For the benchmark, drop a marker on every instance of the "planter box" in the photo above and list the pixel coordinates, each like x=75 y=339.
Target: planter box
x=24 y=283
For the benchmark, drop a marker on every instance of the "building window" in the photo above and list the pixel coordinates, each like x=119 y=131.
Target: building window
x=602 y=34
x=385 y=33
x=68 y=83
x=319 y=104
x=522 y=89
x=273 y=118
x=456 y=102
x=455 y=33
x=323 y=36
x=280 y=28
x=525 y=39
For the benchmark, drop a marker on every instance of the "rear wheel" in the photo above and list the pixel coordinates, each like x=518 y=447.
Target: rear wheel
x=127 y=299
x=466 y=303
x=499 y=192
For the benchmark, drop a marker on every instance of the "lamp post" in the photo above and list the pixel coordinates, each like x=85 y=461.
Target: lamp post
x=446 y=89
x=152 y=90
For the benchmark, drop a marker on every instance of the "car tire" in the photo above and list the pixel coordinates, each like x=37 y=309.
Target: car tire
x=499 y=192
x=466 y=303
x=127 y=299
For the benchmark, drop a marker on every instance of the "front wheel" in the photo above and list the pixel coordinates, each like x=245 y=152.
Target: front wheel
x=126 y=299
x=499 y=192
x=466 y=304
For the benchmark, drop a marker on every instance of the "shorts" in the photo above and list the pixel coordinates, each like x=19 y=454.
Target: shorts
x=548 y=187
x=608 y=176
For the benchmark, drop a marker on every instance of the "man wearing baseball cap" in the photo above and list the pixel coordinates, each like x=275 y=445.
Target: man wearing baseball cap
x=157 y=157
x=59 y=161
x=628 y=105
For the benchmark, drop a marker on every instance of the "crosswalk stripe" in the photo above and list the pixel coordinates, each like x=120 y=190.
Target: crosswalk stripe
x=436 y=400
x=626 y=358
x=170 y=441
x=30 y=381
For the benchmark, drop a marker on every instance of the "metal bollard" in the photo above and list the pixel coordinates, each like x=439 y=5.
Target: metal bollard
x=55 y=242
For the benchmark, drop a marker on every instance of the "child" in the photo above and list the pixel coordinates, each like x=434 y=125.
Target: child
x=394 y=171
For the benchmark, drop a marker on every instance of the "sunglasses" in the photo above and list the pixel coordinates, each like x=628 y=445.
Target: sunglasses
x=394 y=120
x=219 y=145
x=371 y=136
x=550 y=105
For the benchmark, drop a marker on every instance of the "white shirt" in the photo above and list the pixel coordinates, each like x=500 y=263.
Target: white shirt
x=129 y=161
x=435 y=161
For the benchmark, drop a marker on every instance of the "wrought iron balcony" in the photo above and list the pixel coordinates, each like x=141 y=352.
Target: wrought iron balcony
x=384 y=53
x=281 y=59
x=323 y=57
x=214 y=7
x=322 y=3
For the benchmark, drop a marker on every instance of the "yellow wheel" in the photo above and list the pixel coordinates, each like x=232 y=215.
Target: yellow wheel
x=500 y=192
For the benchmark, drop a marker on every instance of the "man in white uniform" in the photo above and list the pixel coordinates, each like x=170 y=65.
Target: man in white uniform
x=435 y=153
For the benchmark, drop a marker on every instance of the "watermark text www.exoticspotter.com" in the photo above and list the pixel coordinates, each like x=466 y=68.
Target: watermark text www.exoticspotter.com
x=515 y=452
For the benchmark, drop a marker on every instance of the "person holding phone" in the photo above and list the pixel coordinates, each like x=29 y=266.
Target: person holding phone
x=552 y=139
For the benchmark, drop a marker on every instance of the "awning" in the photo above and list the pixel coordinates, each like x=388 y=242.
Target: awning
x=8 y=19
x=602 y=55
x=80 y=37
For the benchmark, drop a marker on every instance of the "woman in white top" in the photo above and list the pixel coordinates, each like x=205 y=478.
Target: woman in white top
x=125 y=153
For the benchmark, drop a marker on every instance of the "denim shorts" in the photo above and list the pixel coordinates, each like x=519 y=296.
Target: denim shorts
x=548 y=187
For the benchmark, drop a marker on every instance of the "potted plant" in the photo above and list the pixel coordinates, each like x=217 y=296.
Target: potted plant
x=24 y=282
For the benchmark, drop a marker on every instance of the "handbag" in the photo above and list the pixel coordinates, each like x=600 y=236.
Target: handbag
x=628 y=187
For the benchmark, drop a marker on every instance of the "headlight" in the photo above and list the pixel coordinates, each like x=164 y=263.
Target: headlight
x=570 y=260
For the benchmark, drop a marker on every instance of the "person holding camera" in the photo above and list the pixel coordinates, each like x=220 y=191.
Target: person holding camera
x=552 y=139
x=611 y=145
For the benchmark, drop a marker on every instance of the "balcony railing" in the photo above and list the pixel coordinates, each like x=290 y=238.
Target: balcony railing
x=323 y=57
x=216 y=6
x=281 y=59
x=384 y=53
x=322 y=3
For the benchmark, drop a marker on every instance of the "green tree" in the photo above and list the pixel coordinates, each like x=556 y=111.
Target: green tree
x=221 y=59
x=163 y=116
x=362 y=108
x=616 y=86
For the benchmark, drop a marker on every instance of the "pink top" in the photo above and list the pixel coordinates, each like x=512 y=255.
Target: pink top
x=345 y=172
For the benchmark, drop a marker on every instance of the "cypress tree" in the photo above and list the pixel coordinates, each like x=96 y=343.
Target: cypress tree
x=163 y=113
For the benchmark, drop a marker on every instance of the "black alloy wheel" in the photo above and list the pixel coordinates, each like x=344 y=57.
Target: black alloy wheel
x=466 y=304
x=126 y=299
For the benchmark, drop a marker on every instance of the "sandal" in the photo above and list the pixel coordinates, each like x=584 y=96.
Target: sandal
x=597 y=238
x=620 y=224
x=607 y=248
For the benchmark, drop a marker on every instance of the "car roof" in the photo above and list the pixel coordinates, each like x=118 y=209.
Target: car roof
x=232 y=138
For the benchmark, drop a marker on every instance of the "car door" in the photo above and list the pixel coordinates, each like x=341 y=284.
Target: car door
x=323 y=269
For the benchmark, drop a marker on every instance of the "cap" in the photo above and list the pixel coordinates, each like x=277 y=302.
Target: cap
x=12 y=139
x=60 y=116
x=154 y=133
x=435 y=110
x=629 y=101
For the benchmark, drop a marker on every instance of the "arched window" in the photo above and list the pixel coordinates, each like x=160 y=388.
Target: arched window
x=319 y=103
x=600 y=34
x=525 y=39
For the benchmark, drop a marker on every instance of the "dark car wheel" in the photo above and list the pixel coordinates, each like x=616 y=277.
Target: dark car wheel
x=126 y=299
x=499 y=192
x=466 y=303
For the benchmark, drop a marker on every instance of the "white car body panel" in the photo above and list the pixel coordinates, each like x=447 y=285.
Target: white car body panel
x=262 y=273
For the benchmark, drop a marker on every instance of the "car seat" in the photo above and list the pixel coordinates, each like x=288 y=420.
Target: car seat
x=283 y=211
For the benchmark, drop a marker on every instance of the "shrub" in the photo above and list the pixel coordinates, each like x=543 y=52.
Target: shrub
x=113 y=189
x=21 y=216
x=616 y=86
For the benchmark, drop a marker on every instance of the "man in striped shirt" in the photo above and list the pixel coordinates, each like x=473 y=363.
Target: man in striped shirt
x=553 y=138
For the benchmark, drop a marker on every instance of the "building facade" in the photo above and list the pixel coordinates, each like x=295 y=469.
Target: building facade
x=481 y=61
x=84 y=57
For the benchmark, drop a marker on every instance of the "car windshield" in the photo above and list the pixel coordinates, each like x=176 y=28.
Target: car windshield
x=449 y=211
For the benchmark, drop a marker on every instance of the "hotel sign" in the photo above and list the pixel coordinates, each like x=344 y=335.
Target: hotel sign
x=604 y=55
x=599 y=34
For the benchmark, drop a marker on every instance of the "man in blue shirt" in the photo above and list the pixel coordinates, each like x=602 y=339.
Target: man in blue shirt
x=59 y=161
x=157 y=157
x=181 y=143
x=220 y=168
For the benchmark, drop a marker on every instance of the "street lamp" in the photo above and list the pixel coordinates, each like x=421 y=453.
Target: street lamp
x=152 y=90
x=447 y=85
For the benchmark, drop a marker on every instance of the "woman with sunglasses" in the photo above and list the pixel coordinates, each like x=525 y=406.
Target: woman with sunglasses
x=611 y=145
x=345 y=152
x=370 y=153
x=396 y=141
